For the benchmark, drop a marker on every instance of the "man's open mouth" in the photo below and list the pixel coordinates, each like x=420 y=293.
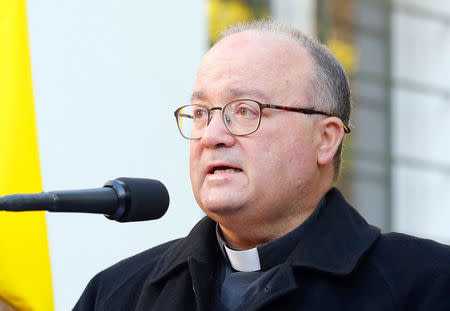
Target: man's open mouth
x=224 y=169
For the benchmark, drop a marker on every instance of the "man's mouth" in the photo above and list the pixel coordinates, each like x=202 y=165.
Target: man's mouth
x=223 y=169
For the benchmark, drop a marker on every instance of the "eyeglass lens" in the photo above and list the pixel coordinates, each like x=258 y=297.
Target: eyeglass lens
x=240 y=117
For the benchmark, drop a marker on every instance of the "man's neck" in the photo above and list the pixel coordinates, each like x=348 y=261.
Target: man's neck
x=247 y=235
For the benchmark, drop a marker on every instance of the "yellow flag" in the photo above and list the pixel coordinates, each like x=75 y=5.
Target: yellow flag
x=25 y=279
x=225 y=13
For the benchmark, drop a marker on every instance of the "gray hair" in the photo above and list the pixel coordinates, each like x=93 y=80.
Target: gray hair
x=329 y=90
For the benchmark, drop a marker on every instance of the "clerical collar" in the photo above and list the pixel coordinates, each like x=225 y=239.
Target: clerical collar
x=264 y=256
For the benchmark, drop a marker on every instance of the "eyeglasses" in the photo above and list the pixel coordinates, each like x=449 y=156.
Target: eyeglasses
x=241 y=117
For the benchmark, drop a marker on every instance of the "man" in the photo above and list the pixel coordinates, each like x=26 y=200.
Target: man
x=269 y=111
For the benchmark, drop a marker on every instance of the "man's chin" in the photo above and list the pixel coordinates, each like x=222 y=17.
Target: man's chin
x=221 y=208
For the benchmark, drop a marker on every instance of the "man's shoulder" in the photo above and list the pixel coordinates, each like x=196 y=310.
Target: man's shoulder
x=416 y=271
x=173 y=250
x=133 y=265
x=408 y=250
x=127 y=278
x=128 y=273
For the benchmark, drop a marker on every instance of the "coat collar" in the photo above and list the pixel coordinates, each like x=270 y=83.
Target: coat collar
x=199 y=246
x=333 y=239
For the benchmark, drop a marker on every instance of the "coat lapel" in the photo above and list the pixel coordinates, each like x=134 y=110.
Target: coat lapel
x=334 y=238
x=203 y=283
x=281 y=284
x=183 y=277
x=173 y=293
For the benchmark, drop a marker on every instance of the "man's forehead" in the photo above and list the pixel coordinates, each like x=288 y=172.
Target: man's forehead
x=253 y=38
x=257 y=40
x=255 y=65
x=257 y=49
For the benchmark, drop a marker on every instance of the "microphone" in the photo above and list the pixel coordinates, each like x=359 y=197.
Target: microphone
x=122 y=199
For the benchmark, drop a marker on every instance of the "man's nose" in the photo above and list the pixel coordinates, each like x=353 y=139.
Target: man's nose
x=215 y=133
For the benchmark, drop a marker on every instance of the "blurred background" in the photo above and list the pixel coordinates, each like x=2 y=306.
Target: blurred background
x=107 y=76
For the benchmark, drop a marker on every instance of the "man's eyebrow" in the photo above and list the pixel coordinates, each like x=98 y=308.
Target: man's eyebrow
x=234 y=93
x=198 y=95
x=252 y=93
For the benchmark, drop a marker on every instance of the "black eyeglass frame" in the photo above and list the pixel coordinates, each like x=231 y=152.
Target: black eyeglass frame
x=307 y=111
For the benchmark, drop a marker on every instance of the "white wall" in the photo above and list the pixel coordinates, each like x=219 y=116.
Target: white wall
x=107 y=77
x=298 y=13
x=421 y=120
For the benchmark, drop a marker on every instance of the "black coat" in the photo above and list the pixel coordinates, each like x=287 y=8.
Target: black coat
x=339 y=263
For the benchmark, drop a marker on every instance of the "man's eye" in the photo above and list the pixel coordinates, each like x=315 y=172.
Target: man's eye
x=245 y=111
x=199 y=113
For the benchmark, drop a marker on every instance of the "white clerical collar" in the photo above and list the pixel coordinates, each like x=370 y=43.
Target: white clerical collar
x=244 y=261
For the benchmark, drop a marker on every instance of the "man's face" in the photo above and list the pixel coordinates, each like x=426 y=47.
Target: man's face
x=264 y=176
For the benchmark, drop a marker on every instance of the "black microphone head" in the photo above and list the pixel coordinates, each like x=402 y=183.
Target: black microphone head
x=145 y=199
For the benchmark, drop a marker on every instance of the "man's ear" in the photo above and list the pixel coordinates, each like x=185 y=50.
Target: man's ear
x=331 y=135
